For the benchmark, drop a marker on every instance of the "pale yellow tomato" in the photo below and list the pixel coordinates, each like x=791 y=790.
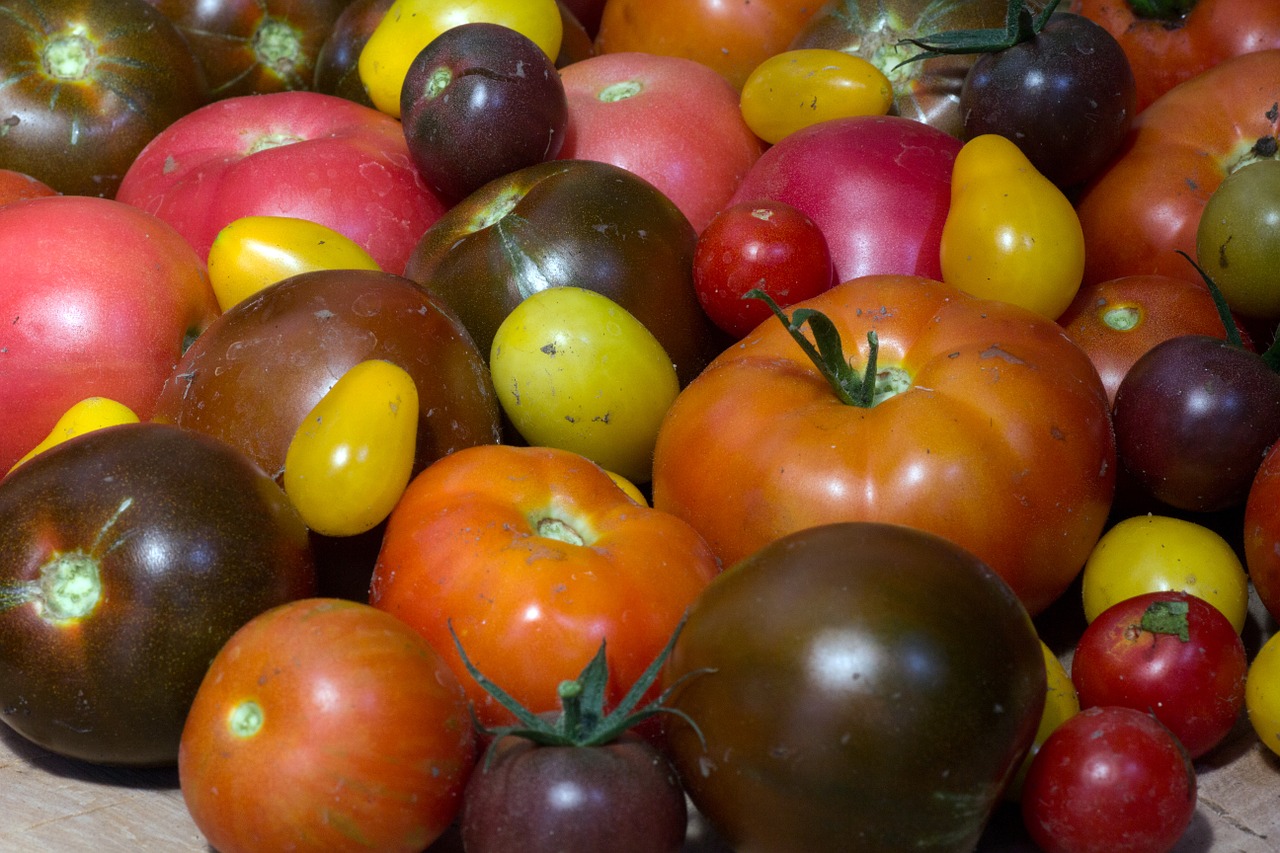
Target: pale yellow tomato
x=576 y=371
x=85 y=416
x=351 y=457
x=1148 y=553
x=1262 y=693
x=796 y=88
x=253 y=252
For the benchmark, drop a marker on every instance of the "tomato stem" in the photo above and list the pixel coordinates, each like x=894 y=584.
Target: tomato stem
x=1020 y=25
x=1271 y=357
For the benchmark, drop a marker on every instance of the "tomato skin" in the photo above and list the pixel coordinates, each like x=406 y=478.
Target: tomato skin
x=1262 y=531
x=797 y=88
x=354 y=724
x=1262 y=694
x=761 y=424
x=535 y=549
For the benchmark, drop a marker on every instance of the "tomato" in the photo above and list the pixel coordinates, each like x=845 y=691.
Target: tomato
x=1149 y=201
x=797 y=88
x=410 y=25
x=980 y=398
x=1010 y=233
x=575 y=370
x=1238 y=238
x=87 y=86
x=536 y=550
x=251 y=252
x=128 y=556
x=1151 y=553
x=1262 y=531
x=85 y=416
x=1170 y=653
x=1061 y=703
x=731 y=38
x=764 y=244
x=1262 y=694
x=15 y=186
x=1109 y=779
x=1167 y=50
x=349 y=719
x=849 y=691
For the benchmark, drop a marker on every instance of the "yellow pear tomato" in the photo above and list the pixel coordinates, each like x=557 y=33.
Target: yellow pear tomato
x=576 y=371
x=85 y=416
x=351 y=457
x=253 y=252
x=410 y=25
x=1010 y=233
x=796 y=88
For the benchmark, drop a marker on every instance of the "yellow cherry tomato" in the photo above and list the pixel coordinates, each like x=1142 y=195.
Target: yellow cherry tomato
x=576 y=371
x=796 y=88
x=410 y=25
x=253 y=252
x=629 y=488
x=87 y=415
x=1010 y=233
x=351 y=457
x=1262 y=693
x=1148 y=553
x=1060 y=703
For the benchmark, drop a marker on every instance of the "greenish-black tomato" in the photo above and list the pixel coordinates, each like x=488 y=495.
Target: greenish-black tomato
x=1238 y=238
x=128 y=556
x=874 y=687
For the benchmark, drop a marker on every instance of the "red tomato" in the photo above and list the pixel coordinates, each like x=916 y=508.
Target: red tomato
x=326 y=725
x=1109 y=780
x=1170 y=653
x=768 y=245
x=535 y=556
x=998 y=436
x=1262 y=532
x=1147 y=204
x=15 y=186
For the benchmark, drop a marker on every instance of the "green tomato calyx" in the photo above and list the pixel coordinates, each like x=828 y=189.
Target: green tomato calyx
x=1272 y=355
x=1167 y=617
x=1020 y=25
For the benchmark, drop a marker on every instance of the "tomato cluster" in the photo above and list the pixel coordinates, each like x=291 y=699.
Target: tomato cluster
x=500 y=421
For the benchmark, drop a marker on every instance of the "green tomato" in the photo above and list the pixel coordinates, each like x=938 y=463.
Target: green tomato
x=1238 y=240
x=576 y=371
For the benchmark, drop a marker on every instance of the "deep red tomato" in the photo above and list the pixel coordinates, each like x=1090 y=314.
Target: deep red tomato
x=768 y=245
x=1164 y=51
x=535 y=556
x=1170 y=653
x=994 y=433
x=1262 y=532
x=1109 y=780
x=345 y=715
x=1147 y=204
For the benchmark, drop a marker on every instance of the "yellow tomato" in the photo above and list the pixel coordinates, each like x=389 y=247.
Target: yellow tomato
x=87 y=415
x=629 y=488
x=796 y=88
x=1010 y=233
x=410 y=25
x=1147 y=553
x=351 y=457
x=1060 y=703
x=1262 y=693
x=253 y=252
x=576 y=371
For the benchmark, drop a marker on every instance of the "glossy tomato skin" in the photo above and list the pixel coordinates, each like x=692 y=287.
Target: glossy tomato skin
x=345 y=715
x=538 y=550
x=87 y=87
x=622 y=796
x=999 y=404
x=175 y=557
x=15 y=186
x=1262 y=531
x=853 y=699
x=1109 y=780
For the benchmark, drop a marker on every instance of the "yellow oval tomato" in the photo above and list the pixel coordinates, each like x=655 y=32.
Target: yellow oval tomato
x=1060 y=703
x=575 y=371
x=1010 y=233
x=1262 y=693
x=796 y=88
x=1149 y=553
x=410 y=25
x=351 y=457
x=85 y=416
x=253 y=252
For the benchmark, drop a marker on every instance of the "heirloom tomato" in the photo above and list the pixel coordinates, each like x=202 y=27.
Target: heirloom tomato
x=797 y=88
x=534 y=557
x=1238 y=239
x=1262 y=693
x=1262 y=532
x=992 y=430
x=89 y=414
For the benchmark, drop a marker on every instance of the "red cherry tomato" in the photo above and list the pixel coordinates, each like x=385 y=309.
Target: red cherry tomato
x=763 y=244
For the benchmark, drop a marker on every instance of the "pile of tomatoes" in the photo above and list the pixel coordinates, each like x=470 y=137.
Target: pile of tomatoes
x=498 y=425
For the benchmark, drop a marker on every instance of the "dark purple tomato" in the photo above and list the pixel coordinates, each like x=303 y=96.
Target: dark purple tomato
x=128 y=556
x=479 y=101
x=1066 y=96
x=1194 y=417
x=624 y=797
x=87 y=85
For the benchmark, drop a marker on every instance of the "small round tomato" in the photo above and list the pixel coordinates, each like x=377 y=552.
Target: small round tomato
x=1262 y=693
x=1238 y=238
x=1106 y=774
x=1150 y=553
x=345 y=715
x=797 y=88
x=575 y=370
x=1262 y=532
x=767 y=245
